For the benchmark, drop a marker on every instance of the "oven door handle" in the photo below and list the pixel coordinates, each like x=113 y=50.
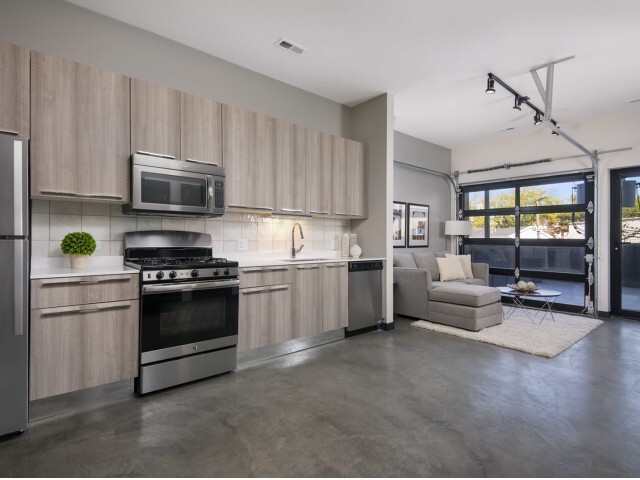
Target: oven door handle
x=185 y=287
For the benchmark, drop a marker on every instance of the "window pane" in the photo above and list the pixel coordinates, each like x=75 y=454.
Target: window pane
x=567 y=193
x=552 y=225
x=500 y=280
x=503 y=198
x=477 y=227
x=503 y=226
x=497 y=256
x=552 y=259
x=572 y=292
x=475 y=201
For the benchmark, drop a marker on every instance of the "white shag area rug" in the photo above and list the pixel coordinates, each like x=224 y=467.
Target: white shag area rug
x=546 y=339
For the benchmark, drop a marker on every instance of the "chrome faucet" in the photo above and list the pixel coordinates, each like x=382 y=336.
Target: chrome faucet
x=293 y=240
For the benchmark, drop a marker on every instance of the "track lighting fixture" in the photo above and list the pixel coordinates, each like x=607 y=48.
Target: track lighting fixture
x=555 y=124
x=518 y=101
x=536 y=119
x=490 y=88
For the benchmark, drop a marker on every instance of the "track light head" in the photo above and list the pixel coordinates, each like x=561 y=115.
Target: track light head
x=490 y=86
x=536 y=119
x=517 y=101
x=555 y=124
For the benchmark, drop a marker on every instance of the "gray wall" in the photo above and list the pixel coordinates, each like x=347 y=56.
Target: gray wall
x=66 y=30
x=373 y=125
x=411 y=185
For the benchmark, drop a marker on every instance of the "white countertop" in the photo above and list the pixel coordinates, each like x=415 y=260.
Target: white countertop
x=53 y=267
x=59 y=266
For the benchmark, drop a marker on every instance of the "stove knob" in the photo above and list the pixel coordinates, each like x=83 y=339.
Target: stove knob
x=160 y=275
x=216 y=272
x=195 y=273
x=227 y=271
x=173 y=274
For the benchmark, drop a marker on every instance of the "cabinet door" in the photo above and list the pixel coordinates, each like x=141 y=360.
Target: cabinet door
x=248 y=153
x=335 y=306
x=80 y=130
x=318 y=172
x=84 y=346
x=307 y=300
x=264 y=316
x=290 y=167
x=200 y=130
x=14 y=89
x=348 y=166
x=155 y=119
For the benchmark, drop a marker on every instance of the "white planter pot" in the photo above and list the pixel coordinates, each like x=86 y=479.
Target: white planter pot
x=78 y=261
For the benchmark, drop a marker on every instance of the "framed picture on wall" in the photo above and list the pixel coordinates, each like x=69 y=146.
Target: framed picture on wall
x=418 y=225
x=399 y=224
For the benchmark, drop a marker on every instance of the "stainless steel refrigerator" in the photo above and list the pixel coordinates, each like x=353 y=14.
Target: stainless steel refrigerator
x=14 y=287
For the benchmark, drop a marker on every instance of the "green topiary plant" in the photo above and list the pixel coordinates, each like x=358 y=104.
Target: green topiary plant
x=78 y=243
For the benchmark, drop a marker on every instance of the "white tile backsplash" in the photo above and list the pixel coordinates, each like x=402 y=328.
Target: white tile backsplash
x=52 y=220
x=60 y=225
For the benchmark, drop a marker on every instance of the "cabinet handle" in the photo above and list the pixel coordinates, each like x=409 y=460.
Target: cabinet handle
x=251 y=208
x=10 y=132
x=66 y=281
x=335 y=265
x=281 y=287
x=201 y=162
x=81 y=195
x=292 y=210
x=307 y=267
x=278 y=269
x=153 y=154
x=264 y=269
x=344 y=214
x=255 y=290
x=318 y=213
x=49 y=312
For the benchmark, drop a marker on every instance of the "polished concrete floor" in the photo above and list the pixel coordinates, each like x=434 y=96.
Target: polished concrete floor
x=403 y=403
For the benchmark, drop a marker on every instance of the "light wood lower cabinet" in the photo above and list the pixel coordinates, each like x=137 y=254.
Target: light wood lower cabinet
x=335 y=300
x=57 y=292
x=82 y=346
x=264 y=316
x=264 y=276
x=307 y=300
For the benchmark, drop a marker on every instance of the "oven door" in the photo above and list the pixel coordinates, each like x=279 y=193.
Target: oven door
x=184 y=318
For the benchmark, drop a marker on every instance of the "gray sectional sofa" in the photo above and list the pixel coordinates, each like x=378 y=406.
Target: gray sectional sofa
x=418 y=292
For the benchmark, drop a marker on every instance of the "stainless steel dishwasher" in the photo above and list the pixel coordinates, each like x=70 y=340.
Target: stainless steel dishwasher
x=365 y=295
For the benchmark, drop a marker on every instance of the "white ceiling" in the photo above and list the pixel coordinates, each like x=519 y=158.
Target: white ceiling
x=433 y=56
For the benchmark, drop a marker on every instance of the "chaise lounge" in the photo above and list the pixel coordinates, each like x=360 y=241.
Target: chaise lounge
x=467 y=303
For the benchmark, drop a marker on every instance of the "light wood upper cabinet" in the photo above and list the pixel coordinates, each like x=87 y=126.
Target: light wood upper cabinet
x=79 y=131
x=14 y=89
x=318 y=172
x=200 y=129
x=249 y=159
x=335 y=301
x=349 y=180
x=264 y=316
x=290 y=167
x=307 y=300
x=155 y=119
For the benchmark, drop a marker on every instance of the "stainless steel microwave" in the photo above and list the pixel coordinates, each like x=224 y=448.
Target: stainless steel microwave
x=162 y=186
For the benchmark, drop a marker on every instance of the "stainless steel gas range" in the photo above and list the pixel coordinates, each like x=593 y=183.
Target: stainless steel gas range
x=188 y=308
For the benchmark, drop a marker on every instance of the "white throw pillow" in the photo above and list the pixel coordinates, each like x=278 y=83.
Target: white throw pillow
x=465 y=261
x=450 y=269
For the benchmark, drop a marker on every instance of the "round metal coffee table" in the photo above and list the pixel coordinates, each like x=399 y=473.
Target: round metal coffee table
x=547 y=296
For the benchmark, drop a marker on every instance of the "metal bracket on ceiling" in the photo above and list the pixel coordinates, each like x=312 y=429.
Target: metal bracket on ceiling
x=547 y=94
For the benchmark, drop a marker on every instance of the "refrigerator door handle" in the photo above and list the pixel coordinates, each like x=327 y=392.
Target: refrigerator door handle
x=18 y=165
x=18 y=300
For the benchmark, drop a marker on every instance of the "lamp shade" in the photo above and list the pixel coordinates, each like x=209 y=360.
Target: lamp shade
x=457 y=227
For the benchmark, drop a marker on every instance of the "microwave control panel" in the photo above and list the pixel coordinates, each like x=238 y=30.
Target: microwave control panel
x=219 y=194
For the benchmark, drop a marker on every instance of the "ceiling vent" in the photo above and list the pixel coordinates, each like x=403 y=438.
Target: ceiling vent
x=290 y=46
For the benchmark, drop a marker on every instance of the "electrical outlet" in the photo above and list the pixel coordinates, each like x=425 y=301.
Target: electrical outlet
x=243 y=244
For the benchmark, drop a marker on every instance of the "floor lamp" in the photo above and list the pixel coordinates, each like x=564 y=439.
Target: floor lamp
x=457 y=228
